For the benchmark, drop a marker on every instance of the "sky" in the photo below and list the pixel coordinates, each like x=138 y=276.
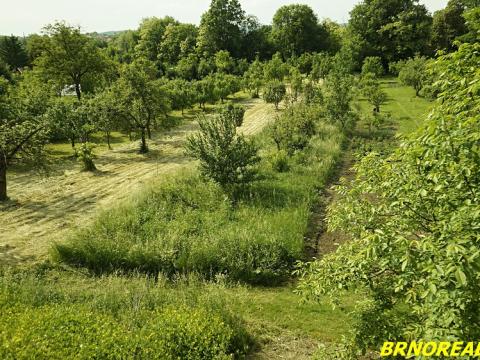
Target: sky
x=23 y=17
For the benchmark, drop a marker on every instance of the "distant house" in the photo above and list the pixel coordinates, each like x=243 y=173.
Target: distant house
x=69 y=90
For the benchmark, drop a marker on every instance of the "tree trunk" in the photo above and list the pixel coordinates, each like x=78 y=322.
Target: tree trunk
x=3 y=180
x=149 y=132
x=143 y=146
x=78 y=91
x=72 y=140
x=108 y=140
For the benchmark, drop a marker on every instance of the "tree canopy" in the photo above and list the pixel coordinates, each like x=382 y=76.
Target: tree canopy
x=391 y=29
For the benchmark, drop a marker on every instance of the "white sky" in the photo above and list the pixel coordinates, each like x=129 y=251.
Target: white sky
x=20 y=17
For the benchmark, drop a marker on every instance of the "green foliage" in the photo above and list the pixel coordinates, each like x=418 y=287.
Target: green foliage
x=395 y=67
x=23 y=126
x=221 y=28
x=225 y=157
x=373 y=65
x=280 y=161
x=225 y=85
x=13 y=52
x=296 y=30
x=223 y=61
x=413 y=73
x=294 y=128
x=151 y=32
x=312 y=93
x=205 y=91
x=392 y=29
x=253 y=78
x=178 y=42
x=122 y=46
x=296 y=83
x=274 y=93
x=181 y=94
x=69 y=57
x=122 y=318
x=236 y=113
x=413 y=218
x=372 y=91
x=448 y=24
x=337 y=96
x=186 y=225
x=187 y=66
x=275 y=69
x=139 y=99
x=85 y=154
x=322 y=64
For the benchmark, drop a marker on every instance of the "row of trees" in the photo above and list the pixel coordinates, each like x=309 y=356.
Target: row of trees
x=393 y=30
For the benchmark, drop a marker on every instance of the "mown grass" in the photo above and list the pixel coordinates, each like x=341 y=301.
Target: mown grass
x=188 y=225
x=407 y=110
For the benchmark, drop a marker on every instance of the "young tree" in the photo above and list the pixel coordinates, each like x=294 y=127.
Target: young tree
x=225 y=157
x=322 y=64
x=373 y=65
x=205 y=91
x=72 y=119
x=70 y=56
x=373 y=92
x=275 y=69
x=274 y=93
x=226 y=85
x=413 y=73
x=253 y=78
x=104 y=114
x=296 y=83
x=181 y=94
x=337 y=96
x=293 y=129
x=187 y=67
x=235 y=113
x=13 y=52
x=139 y=99
x=23 y=126
x=224 y=62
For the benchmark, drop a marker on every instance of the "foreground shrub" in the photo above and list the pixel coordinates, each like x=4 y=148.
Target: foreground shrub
x=56 y=319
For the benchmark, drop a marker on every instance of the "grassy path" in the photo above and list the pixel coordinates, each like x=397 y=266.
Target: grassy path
x=44 y=209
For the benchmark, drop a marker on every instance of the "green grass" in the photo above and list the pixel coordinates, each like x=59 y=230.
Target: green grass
x=407 y=110
x=56 y=314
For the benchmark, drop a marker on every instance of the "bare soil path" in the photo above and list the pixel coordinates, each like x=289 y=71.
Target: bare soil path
x=45 y=209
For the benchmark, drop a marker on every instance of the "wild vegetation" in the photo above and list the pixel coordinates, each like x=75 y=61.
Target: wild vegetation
x=183 y=205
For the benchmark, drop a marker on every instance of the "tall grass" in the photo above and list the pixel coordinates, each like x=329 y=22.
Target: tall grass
x=186 y=225
x=59 y=315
